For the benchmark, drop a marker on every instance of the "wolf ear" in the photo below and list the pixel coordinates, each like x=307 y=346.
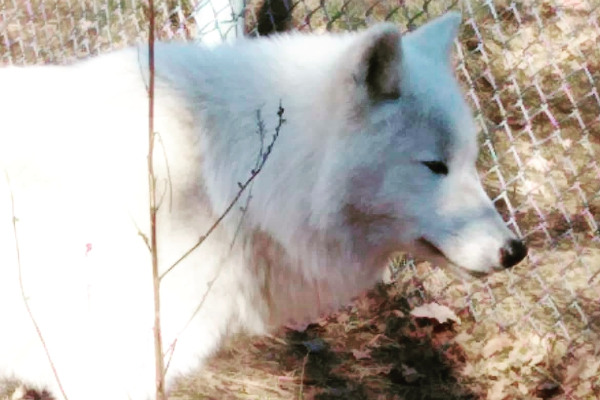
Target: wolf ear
x=377 y=67
x=436 y=37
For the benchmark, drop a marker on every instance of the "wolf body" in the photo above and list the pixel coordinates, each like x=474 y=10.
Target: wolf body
x=377 y=154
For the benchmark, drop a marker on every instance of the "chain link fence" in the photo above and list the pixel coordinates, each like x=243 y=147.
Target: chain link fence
x=530 y=70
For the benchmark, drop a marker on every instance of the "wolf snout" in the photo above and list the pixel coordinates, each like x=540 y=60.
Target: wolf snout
x=513 y=252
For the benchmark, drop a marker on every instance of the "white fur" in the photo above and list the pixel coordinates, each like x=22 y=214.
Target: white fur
x=73 y=142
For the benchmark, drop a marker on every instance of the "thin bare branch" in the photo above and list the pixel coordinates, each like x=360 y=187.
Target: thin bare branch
x=24 y=296
x=141 y=234
x=168 y=170
x=264 y=155
x=191 y=318
x=158 y=354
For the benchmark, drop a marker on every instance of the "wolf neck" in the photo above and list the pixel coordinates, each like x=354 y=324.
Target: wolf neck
x=239 y=89
x=293 y=286
x=228 y=86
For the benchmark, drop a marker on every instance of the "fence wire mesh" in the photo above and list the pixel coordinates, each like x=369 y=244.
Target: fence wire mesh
x=531 y=71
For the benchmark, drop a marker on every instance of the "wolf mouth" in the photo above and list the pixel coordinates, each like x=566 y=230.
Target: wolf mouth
x=431 y=251
x=430 y=247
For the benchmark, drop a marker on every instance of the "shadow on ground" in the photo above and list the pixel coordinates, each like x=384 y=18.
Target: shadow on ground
x=373 y=349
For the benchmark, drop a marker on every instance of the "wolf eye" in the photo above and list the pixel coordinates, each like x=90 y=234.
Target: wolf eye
x=437 y=167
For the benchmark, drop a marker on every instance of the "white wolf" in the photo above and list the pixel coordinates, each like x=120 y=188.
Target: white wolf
x=377 y=155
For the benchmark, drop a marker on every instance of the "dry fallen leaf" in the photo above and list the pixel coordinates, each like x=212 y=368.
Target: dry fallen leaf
x=496 y=345
x=496 y=392
x=410 y=374
x=361 y=355
x=435 y=311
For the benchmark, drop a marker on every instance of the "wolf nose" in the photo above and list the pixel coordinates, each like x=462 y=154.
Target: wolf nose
x=512 y=253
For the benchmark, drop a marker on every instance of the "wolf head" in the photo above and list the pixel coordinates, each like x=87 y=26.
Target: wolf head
x=409 y=150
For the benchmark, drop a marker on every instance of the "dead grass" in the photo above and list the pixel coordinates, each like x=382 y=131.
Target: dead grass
x=368 y=351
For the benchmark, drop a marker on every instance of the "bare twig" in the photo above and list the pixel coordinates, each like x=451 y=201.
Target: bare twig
x=24 y=296
x=301 y=391
x=141 y=234
x=168 y=171
x=259 y=157
x=264 y=155
x=158 y=354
